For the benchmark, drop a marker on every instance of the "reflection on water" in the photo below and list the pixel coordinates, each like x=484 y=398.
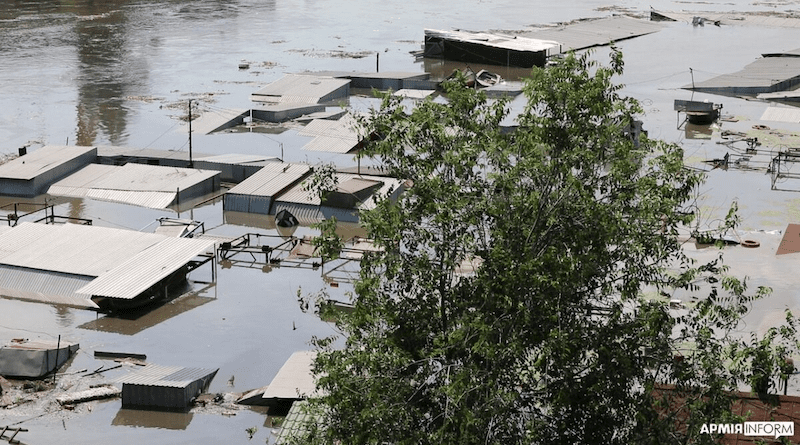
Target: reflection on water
x=133 y=322
x=64 y=315
x=152 y=419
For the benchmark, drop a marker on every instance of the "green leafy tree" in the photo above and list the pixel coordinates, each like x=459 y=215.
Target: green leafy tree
x=550 y=339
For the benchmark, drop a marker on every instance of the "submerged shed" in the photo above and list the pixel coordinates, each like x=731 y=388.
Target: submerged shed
x=31 y=174
x=164 y=387
x=150 y=186
x=34 y=359
x=256 y=193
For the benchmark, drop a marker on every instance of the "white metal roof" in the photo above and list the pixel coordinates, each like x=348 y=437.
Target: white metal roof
x=42 y=160
x=335 y=136
x=150 y=186
x=294 y=380
x=167 y=376
x=516 y=43
x=300 y=89
x=271 y=179
x=71 y=248
x=134 y=276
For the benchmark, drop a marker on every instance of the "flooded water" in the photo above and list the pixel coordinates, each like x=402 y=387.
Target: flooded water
x=121 y=73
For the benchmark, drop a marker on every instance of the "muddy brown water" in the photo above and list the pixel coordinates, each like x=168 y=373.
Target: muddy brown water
x=119 y=73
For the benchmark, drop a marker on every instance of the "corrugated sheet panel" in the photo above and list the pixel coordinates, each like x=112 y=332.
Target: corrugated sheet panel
x=305 y=214
x=781 y=114
x=39 y=162
x=151 y=200
x=141 y=271
x=300 y=196
x=71 y=248
x=589 y=33
x=43 y=286
x=300 y=89
x=294 y=380
x=271 y=179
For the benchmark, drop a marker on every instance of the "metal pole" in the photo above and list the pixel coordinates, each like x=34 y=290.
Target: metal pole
x=377 y=62
x=692 y=73
x=191 y=164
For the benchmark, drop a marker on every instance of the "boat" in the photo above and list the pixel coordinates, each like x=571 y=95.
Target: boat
x=487 y=79
x=34 y=358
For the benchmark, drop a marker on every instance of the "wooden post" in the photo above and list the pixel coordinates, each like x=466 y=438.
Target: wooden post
x=58 y=347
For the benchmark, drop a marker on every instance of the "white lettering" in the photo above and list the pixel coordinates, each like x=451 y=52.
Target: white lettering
x=777 y=429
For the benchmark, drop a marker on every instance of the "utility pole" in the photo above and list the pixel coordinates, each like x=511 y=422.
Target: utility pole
x=191 y=163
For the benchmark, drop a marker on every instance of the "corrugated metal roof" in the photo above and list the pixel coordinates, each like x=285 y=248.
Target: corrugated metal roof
x=168 y=376
x=335 y=136
x=413 y=94
x=134 y=276
x=300 y=89
x=40 y=161
x=152 y=200
x=271 y=179
x=759 y=76
x=44 y=286
x=596 y=32
x=781 y=114
x=71 y=248
x=76 y=184
x=294 y=380
x=298 y=195
x=218 y=119
x=733 y=18
x=516 y=43
x=137 y=184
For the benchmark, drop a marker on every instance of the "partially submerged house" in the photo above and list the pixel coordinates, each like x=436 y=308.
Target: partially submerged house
x=94 y=267
x=150 y=186
x=33 y=173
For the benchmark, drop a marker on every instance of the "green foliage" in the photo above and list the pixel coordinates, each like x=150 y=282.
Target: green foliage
x=548 y=341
